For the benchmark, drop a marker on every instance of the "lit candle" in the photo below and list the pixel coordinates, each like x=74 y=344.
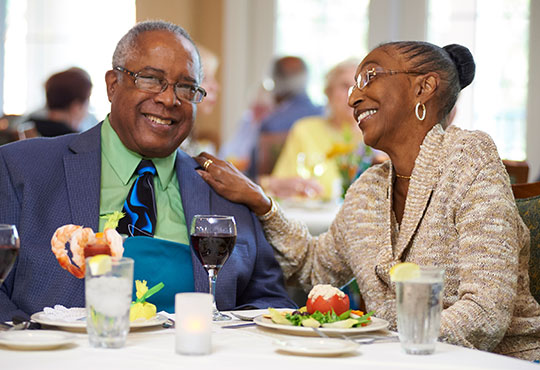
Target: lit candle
x=193 y=323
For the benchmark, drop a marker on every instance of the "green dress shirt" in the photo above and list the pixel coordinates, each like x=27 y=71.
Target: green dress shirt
x=118 y=166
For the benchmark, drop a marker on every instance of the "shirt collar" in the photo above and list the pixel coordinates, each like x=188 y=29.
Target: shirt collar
x=124 y=162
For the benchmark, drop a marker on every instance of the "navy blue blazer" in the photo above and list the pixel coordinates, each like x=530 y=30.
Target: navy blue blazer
x=49 y=182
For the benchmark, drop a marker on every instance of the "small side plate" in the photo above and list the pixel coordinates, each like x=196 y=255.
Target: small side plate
x=317 y=346
x=35 y=339
x=80 y=325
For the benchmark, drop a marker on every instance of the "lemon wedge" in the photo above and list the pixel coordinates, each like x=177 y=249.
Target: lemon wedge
x=100 y=264
x=404 y=271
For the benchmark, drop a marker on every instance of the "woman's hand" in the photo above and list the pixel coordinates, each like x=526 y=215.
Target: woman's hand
x=232 y=184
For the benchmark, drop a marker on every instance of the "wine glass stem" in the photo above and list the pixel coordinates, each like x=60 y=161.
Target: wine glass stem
x=212 y=276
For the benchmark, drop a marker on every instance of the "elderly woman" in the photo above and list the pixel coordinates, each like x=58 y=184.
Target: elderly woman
x=442 y=199
x=312 y=139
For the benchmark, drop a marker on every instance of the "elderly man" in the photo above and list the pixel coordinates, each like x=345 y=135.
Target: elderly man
x=153 y=89
x=291 y=103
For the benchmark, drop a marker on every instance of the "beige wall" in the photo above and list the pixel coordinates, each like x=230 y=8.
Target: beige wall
x=203 y=19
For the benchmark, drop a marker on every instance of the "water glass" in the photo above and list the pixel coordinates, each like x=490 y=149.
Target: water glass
x=108 y=300
x=193 y=323
x=419 y=306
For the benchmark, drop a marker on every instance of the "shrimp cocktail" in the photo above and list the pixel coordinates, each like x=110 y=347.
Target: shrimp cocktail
x=97 y=257
x=84 y=243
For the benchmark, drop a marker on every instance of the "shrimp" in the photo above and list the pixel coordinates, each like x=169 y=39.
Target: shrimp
x=79 y=240
x=58 y=246
x=115 y=242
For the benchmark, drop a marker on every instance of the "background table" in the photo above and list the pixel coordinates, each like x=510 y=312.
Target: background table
x=317 y=216
x=244 y=348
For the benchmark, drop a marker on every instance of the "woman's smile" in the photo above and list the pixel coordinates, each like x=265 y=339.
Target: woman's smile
x=365 y=115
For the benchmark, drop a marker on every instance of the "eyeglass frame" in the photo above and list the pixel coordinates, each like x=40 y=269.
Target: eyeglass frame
x=371 y=73
x=164 y=85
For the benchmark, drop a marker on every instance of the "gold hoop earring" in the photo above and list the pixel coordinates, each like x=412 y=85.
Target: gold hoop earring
x=423 y=111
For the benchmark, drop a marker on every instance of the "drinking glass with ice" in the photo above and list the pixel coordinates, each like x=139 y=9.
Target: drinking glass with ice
x=109 y=285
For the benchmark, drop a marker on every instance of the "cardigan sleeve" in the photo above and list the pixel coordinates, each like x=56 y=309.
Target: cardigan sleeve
x=332 y=257
x=487 y=223
x=309 y=259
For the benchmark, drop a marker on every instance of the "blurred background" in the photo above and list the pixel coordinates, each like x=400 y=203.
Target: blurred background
x=42 y=37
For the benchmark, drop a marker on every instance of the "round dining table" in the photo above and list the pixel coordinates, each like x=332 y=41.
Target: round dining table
x=246 y=347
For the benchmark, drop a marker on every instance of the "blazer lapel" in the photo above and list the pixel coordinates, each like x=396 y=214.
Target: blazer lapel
x=195 y=195
x=83 y=177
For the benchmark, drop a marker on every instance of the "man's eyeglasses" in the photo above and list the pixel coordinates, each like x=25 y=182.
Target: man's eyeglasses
x=155 y=84
x=364 y=78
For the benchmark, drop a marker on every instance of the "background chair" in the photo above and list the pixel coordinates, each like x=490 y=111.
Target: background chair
x=517 y=170
x=8 y=128
x=27 y=130
x=528 y=203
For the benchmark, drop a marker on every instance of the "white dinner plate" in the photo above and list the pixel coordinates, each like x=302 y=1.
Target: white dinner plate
x=44 y=319
x=376 y=324
x=35 y=339
x=317 y=346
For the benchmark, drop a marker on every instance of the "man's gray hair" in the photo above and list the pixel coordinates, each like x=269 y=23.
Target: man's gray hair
x=128 y=42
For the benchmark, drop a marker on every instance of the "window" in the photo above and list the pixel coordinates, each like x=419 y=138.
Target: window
x=46 y=36
x=323 y=33
x=497 y=33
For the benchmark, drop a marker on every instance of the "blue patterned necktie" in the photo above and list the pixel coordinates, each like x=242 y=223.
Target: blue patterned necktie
x=140 y=205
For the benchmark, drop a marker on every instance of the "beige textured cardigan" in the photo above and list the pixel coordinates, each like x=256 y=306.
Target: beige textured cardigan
x=460 y=214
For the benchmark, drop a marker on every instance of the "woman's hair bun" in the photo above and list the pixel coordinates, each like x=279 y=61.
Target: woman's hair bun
x=464 y=61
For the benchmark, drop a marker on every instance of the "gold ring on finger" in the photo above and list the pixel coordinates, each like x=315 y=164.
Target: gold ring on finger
x=207 y=164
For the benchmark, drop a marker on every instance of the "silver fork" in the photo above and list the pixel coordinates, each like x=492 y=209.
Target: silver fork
x=20 y=326
x=242 y=317
x=324 y=335
x=168 y=324
x=320 y=333
x=370 y=340
x=361 y=340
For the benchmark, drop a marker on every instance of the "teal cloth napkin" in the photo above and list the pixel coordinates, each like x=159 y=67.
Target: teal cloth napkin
x=158 y=260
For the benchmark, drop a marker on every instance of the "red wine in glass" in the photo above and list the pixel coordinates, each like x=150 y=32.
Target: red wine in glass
x=213 y=238
x=9 y=249
x=213 y=250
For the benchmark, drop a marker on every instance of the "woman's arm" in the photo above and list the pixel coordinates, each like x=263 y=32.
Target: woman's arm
x=310 y=260
x=489 y=244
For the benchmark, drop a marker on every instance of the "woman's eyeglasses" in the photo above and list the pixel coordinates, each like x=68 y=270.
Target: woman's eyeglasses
x=364 y=78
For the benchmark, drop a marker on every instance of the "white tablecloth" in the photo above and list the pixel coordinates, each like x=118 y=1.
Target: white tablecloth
x=244 y=348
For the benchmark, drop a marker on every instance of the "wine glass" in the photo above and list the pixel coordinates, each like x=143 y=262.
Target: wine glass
x=213 y=238
x=9 y=249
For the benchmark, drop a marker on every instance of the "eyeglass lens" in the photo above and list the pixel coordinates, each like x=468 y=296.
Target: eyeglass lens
x=158 y=85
